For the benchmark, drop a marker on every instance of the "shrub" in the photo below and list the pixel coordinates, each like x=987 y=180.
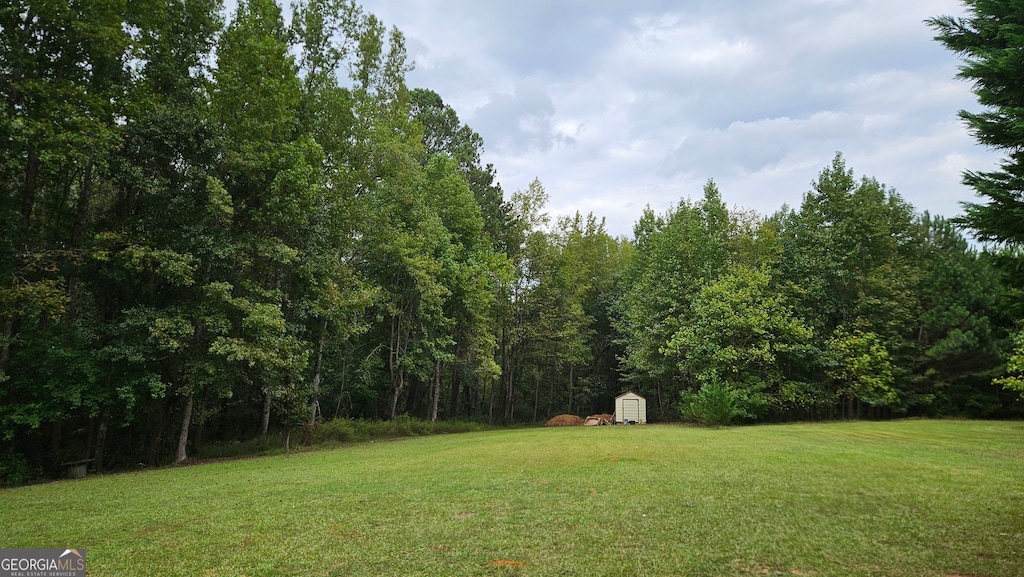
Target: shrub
x=244 y=448
x=715 y=405
x=338 y=430
x=406 y=426
x=14 y=470
x=354 y=430
x=447 y=427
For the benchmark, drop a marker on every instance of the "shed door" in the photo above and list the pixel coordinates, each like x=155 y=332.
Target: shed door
x=630 y=410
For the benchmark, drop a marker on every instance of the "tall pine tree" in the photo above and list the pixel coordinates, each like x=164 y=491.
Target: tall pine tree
x=989 y=40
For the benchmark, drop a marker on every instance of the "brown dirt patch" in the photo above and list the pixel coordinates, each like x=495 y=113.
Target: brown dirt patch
x=564 y=421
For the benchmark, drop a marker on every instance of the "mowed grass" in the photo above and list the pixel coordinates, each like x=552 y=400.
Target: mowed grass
x=907 y=498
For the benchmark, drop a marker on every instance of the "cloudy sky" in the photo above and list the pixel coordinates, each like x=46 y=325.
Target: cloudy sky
x=619 y=104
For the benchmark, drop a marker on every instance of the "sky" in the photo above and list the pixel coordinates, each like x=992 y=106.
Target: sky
x=620 y=104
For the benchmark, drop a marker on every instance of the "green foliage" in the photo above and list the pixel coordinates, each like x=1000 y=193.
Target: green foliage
x=1014 y=379
x=15 y=470
x=989 y=41
x=860 y=367
x=235 y=449
x=676 y=255
x=214 y=224
x=852 y=260
x=352 y=430
x=556 y=349
x=962 y=315
x=740 y=329
x=850 y=249
x=715 y=404
x=443 y=134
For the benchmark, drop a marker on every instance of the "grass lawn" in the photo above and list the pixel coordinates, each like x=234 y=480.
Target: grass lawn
x=934 y=498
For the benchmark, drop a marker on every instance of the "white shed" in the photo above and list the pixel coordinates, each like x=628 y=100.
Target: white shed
x=630 y=408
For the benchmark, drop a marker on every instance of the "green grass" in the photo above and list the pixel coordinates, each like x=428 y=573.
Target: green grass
x=930 y=498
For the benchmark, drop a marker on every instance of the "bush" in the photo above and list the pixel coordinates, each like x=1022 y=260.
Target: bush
x=243 y=448
x=446 y=427
x=338 y=430
x=715 y=405
x=15 y=470
x=350 y=430
x=406 y=426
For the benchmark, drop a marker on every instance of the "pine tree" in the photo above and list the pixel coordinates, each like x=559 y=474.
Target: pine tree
x=989 y=40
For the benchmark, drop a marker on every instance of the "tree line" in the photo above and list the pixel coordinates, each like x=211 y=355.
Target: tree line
x=218 y=229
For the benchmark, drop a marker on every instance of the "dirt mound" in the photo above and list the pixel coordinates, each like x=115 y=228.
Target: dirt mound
x=564 y=421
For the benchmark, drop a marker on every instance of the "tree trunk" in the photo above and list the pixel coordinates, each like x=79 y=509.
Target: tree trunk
x=397 y=386
x=409 y=401
x=186 y=422
x=551 y=394
x=453 y=413
x=395 y=368
x=473 y=401
x=5 y=349
x=341 y=390
x=435 y=393
x=572 y=372
x=536 y=395
x=506 y=376
x=101 y=440
x=265 y=417
x=510 y=395
x=317 y=370
x=661 y=402
x=490 y=408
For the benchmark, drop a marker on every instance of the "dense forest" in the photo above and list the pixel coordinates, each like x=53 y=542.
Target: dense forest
x=218 y=227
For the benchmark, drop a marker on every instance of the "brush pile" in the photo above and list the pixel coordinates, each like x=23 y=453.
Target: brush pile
x=574 y=421
x=564 y=421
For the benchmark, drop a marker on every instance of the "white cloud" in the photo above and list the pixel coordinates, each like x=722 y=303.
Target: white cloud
x=750 y=147
x=667 y=45
x=615 y=105
x=520 y=121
